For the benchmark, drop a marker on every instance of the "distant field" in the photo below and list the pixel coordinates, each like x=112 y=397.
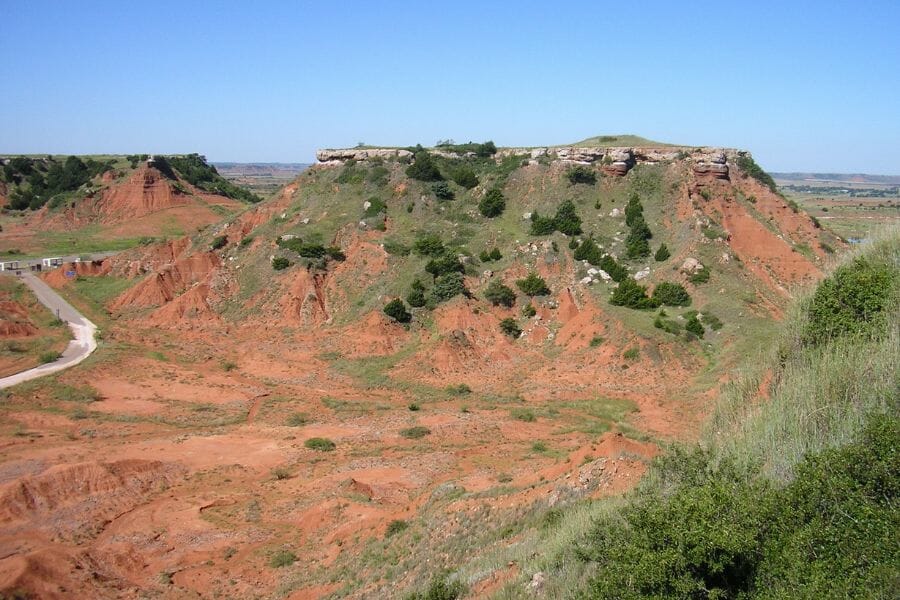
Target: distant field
x=851 y=205
x=260 y=178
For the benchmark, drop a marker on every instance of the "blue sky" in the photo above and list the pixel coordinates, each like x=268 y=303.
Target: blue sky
x=811 y=86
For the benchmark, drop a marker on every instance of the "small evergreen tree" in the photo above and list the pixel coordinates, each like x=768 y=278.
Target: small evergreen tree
x=510 y=327
x=442 y=191
x=589 y=251
x=662 y=253
x=694 y=326
x=581 y=174
x=533 y=285
x=396 y=310
x=424 y=168
x=671 y=294
x=447 y=286
x=633 y=210
x=567 y=220
x=493 y=204
x=541 y=225
x=495 y=253
x=416 y=297
x=465 y=177
x=632 y=295
x=499 y=294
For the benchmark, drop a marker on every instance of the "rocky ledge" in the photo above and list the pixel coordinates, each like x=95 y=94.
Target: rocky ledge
x=707 y=163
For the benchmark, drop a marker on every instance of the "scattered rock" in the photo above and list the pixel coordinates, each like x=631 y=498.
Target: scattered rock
x=642 y=274
x=537 y=581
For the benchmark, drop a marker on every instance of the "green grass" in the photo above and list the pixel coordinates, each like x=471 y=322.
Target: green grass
x=101 y=290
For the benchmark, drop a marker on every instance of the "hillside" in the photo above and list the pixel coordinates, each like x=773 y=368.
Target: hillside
x=402 y=356
x=77 y=204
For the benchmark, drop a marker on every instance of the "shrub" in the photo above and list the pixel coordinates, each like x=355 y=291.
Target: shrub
x=632 y=295
x=533 y=285
x=539 y=447
x=414 y=406
x=414 y=433
x=596 y=341
x=523 y=414
x=442 y=191
x=510 y=327
x=440 y=589
x=581 y=174
x=567 y=220
x=280 y=263
x=335 y=253
x=424 y=168
x=632 y=353
x=461 y=389
x=493 y=204
x=529 y=310
x=700 y=276
x=396 y=526
x=589 y=251
x=49 y=356
x=667 y=325
x=495 y=253
x=465 y=177
x=634 y=210
x=320 y=444
x=281 y=473
x=428 y=244
x=282 y=558
x=662 y=253
x=396 y=310
x=416 y=297
x=746 y=163
x=376 y=207
x=443 y=264
x=636 y=247
x=395 y=248
x=671 y=294
x=714 y=322
x=541 y=225
x=850 y=301
x=499 y=294
x=219 y=242
x=694 y=326
x=297 y=420
x=616 y=271
x=447 y=286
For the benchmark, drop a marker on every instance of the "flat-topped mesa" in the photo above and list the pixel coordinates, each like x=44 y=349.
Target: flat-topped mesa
x=706 y=163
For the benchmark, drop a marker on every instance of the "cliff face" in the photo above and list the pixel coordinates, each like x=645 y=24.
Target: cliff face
x=707 y=163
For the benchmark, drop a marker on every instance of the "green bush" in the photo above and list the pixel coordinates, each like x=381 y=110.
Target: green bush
x=442 y=191
x=465 y=177
x=523 y=414
x=567 y=220
x=219 y=242
x=634 y=210
x=632 y=295
x=662 y=253
x=668 y=325
x=499 y=294
x=447 y=286
x=616 y=271
x=495 y=253
x=320 y=444
x=694 y=326
x=850 y=301
x=429 y=244
x=636 y=247
x=297 y=420
x=377 y=206
x=632 y=353
x=533 y=285
x=396 y=526
x=414 y=433
x=443 y=264
x=529 y=310
x=282 y=558
x=396 y=310
x=746 y=164
x=461 y=389
x=671 y=294
x=589 y=251
x=424 y=168
x=510 y=327
x=440 y=589
x=280 y=263
x=541 y=225
x=700 y=276
x=416 y=297
x=493 y=204
x=581 y=174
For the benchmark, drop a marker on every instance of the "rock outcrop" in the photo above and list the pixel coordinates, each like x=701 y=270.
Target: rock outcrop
x=706 y=163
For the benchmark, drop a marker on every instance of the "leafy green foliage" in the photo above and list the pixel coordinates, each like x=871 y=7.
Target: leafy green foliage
x=499 y=294
x=376 y=207
x=35 y=182
x=634 y=210
x=282 y=558
x=443 y=264
x=542 y=225
x=428 y=244
x=442 y=191
x=616 y=271
x=440 y=589
x=523 y=414
x=396 y=310
x=721 y=531
x=219 y=242
x=581 y=174
x=662 y=253
x=510 y=327
x=464 y=177
x=195 y=170
x=416 y=297
x=533 y=285
x=396 y=526
x=320 y=444
x=700 y=276
x=671 y=294
x=424 y=168
x=850 y=301
x=483 y=150
x=566 y=221
x=494 y=254
x=279 y=263
x=746 y=164
x=493 y=204
x=447 y=286
x=529 y=310
x=668 y=325
x=636 y=244
x=632 y=295
x=694 y=326
x=589 y=251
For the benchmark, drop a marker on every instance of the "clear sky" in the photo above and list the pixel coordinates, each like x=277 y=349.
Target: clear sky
x=811 y=86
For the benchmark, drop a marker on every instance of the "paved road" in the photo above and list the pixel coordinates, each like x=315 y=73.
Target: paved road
x=83 y=330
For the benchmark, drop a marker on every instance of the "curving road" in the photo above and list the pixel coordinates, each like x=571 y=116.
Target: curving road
x=83 y=330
